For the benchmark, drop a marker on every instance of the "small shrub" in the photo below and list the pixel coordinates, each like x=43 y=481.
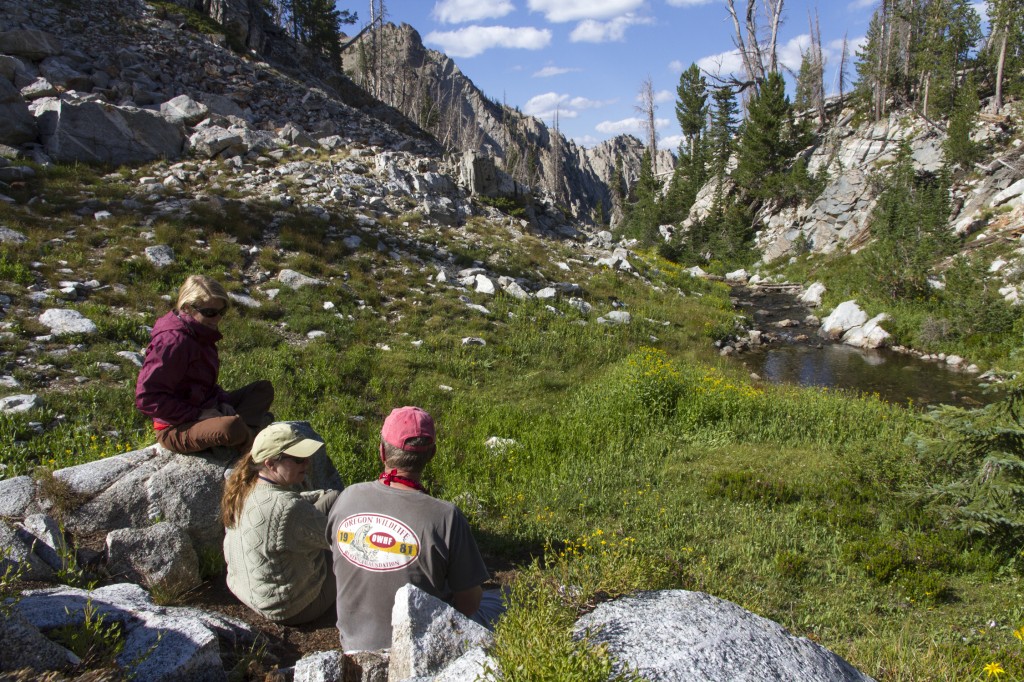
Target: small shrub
x=94 y=640
x=791 y=566
x=744 y=486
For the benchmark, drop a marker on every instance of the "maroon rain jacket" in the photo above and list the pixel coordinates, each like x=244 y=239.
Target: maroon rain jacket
x=179 y=376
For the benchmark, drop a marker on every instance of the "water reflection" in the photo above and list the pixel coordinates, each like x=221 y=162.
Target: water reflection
x=895 y=377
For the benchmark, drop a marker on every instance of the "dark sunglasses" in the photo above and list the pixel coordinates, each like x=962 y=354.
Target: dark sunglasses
x=297 y=460
x=211 y=312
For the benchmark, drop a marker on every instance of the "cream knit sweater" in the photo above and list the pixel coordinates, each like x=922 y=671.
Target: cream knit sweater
x=276 y=552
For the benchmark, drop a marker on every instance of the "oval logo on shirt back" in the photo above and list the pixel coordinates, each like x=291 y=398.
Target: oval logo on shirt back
x=377 y=542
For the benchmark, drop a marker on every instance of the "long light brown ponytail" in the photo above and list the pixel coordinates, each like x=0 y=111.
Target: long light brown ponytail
x=237 y=489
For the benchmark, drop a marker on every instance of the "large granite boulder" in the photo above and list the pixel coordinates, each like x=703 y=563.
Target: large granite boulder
x=16 y=122
x=30 y=43
x=162 y=644
x=98 y=132
x=684 y=636
x=159 y=557
x=428 y=635
x=846 y=315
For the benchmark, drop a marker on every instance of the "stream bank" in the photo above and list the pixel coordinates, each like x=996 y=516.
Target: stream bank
x=782 y=346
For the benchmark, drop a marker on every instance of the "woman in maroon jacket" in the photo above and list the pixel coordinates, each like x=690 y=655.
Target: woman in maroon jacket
x=178 y=387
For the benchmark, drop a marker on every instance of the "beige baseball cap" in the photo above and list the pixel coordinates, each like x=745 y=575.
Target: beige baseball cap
x=282 y=438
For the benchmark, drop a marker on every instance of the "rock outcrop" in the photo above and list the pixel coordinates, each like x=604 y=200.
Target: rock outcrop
x=678 y=635
x=445 y=101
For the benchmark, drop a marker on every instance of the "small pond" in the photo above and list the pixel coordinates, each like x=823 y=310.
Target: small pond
x=797 y=355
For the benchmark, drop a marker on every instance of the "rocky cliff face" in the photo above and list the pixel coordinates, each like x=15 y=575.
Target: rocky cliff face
x=856 y=158
x=429 y=88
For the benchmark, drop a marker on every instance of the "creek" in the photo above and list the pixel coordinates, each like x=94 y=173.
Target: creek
x=793 y=353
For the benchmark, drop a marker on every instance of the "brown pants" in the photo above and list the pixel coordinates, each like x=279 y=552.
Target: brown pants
x=251 y=403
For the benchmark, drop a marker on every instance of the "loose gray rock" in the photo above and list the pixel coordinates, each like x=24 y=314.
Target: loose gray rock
x=162 y=644
x=845 y=316
x=98 y=132
x=16 y=553
x=17 y=125
x=94 y=477
x=472 y=665
x=473 y=341
x=678 y=635
x=546 y=293
x=61 y=321
x=322 y=666
x=9 y=236
x=813 y=294
x=25 y=647
x=131 y=356
x=16 y=404
x=16 y=494
x=183 y=110
x=213 y=140
x=296 y=280
x=615 y=317
x=50 y=545
x=30 y=43
x=160 y=255
x=427 y=634
x=244 y=300
x=38 y=89
x=160 y=556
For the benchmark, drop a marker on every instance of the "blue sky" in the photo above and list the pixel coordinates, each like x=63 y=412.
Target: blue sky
x=589 y=58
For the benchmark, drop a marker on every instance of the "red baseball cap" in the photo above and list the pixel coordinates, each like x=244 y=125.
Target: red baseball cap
x=408 y=422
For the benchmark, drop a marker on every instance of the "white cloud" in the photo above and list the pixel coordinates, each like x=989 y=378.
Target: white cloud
x=722 y=64
x=676 y=66
x=576 y=10
x=473 y=40
x=662 y=96
x=670 y=142
x=584 y=103
x=459 y=11
x=688 y=3
x=791 y=52
x=586 y=140
x=634 y=125
x=591 y=31
x=549 y=71
x=544 y=106
x=862 y=4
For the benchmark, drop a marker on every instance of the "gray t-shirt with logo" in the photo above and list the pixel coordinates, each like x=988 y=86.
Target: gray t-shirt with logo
x=383 y=538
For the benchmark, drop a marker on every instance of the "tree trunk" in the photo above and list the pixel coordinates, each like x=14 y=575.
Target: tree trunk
x=997 y=101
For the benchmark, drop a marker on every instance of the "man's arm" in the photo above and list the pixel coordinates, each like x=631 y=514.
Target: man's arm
x=467 y=602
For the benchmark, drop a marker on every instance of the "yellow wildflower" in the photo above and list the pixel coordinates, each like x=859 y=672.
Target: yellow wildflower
x=994 y=669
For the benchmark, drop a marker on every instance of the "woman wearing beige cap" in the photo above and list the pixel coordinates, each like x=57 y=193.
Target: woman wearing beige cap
x=278 y=557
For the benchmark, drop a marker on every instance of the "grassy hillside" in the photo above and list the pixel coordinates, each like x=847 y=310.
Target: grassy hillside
x=634 y=458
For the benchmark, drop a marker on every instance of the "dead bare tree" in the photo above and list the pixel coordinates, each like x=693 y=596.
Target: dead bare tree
x=818 y=56
x=843 y=56
x=757 y=52
x=647 y=107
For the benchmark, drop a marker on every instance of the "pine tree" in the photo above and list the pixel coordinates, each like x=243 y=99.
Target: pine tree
x=643 y=213
x=692 y=108
x=976 y=467
x=722 y=130
x=910 y=226
x=1007 y=36
x=691 y=172
x=766 y=145
x=959 y=148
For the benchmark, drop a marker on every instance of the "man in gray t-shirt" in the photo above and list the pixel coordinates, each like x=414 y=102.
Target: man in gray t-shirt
x=390 y=532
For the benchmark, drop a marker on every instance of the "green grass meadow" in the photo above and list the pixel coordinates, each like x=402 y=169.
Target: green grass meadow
x=636 y=457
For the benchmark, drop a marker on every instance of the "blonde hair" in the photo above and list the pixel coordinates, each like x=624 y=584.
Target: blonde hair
x=201 y=288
